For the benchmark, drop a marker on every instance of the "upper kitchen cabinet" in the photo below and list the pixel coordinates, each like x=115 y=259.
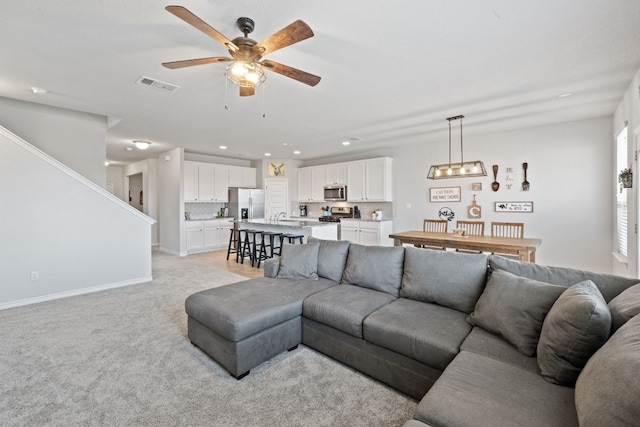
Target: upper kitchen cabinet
x=311 y=183
x=336 y=174
x=370 y=180
x=240 y=176
x=205 y=182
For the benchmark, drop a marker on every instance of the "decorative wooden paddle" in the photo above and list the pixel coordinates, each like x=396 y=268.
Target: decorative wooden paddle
x=495 y=184
x=473 y=210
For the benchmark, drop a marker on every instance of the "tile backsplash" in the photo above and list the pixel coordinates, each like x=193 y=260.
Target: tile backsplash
x=202 y=210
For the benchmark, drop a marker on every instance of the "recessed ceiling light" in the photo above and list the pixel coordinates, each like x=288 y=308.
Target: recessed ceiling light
x=285 y=143
x=564 y=95
x=296 y=152
x=39 y=91
x=267 y=154
x=128 y=148
x=346 y=143
x=223 y=147
x=141 y=145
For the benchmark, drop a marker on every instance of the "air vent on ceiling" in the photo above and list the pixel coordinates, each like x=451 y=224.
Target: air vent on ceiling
x=157 y=84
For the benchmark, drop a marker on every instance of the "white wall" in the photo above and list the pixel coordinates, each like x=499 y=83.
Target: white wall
x=115 y=177
x=171 y=202
x=73 y=138
x=571 y=186
x=72 y=232
x=629 y=111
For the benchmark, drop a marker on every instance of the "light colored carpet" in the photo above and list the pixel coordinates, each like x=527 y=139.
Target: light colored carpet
x=122 y=358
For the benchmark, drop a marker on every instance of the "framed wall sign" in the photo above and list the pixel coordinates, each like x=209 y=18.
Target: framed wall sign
x=514 y=207
x=276 y=169
x=444 y=194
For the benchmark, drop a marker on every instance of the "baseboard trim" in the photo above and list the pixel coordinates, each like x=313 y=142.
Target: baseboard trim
x=43 y=298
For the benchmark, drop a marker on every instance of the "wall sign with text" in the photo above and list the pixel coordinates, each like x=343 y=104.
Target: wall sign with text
x=444 y=194
x=514 y=207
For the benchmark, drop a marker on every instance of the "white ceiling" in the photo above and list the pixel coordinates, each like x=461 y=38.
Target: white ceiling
x=392 y=71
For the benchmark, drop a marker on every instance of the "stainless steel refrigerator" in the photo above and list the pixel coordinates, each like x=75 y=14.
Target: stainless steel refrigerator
x=246 y=203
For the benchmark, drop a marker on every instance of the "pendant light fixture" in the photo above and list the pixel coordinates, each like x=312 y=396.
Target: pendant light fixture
x=461 y=169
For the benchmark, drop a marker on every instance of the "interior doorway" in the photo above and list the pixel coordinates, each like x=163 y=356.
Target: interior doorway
x=136 y=193
x=276 y=197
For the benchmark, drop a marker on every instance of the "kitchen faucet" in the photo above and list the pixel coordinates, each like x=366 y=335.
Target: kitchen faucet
x=278 y=216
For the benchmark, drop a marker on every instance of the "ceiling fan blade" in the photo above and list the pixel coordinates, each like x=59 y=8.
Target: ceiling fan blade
x=191 y=62
x=293 y=33
x=191 y=19
x=285 y=70
x=247 y=91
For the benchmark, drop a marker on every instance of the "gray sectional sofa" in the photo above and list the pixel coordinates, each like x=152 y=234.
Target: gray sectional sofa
x=479 y=340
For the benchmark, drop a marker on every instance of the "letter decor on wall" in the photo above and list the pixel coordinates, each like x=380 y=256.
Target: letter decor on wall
x=444 y=194
x=514 y=207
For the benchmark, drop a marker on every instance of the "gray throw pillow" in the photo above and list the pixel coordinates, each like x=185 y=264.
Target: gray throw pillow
x=375 y=267
x=624 y=307
x=299 y=261
x=514 y=307
x=332 y=257
x=607 y=390
x=450 y=279
x=576 y=327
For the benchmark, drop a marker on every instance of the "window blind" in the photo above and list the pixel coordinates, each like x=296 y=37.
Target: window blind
x=621 y=198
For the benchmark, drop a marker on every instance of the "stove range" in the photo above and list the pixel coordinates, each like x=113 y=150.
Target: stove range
x=336 y=214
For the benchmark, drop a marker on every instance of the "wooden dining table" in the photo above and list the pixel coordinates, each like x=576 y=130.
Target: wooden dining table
x=525 y=249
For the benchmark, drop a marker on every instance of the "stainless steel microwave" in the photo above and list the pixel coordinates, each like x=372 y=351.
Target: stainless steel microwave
x=335 y=193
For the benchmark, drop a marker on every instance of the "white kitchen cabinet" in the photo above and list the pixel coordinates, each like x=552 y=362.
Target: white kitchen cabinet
x=190 y=181
x=370 y=180
x=311 y=183
x=208 y=235
x=240 y=176
x=206 y=182
x=369 y=233
x=336 y=174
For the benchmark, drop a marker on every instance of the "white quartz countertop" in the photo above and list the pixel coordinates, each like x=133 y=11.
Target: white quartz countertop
x=295 y=223
x=366 y=219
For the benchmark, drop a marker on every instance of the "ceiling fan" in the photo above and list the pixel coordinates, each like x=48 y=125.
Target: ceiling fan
x=246 y=69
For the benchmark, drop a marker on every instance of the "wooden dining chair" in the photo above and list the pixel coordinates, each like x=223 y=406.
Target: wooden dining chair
x=514 y=230
x=434 y=226
x=471 y=228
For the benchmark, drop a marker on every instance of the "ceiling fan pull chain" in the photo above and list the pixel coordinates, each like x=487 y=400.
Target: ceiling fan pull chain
x=264 y=113
x=226 y=90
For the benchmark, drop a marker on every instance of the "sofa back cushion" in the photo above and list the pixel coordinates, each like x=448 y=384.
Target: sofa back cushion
x=624 y=307
x=299 y=261
x=375 y=267
x=607 y=390
x=332 y=257
x=609 y=285
x=514 y=307
x=450 y=279
x=575 y=328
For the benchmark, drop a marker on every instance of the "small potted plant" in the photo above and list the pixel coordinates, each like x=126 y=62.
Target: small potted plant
x=625 y=178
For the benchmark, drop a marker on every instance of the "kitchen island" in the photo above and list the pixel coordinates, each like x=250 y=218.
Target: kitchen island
x=321 y=230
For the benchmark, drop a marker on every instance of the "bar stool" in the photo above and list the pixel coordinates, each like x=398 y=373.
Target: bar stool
x=249 y=245
x=235 y=243
x=267 y=245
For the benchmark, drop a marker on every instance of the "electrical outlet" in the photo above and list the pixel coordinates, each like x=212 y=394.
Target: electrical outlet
x=35 y=275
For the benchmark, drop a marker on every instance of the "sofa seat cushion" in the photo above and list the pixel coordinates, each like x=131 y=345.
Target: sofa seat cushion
x=609 y=285
x=426 y=332
x=476 y=390
x=608 y=387
x=450 y=279
x=482 y=342
x=239 y=310
x=375 y=267
x=344 y=307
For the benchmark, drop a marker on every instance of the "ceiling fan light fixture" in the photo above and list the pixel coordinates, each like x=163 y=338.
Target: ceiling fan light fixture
x=246 y=74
